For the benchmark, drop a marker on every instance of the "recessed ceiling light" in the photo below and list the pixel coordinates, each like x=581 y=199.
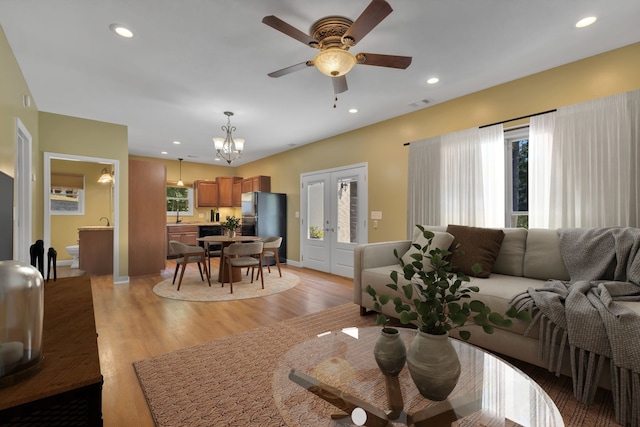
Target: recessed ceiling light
x=433 y=80
x=353 y=110
x=585 y=22
x=120 y=30
x=176 y=142
x=163 y=152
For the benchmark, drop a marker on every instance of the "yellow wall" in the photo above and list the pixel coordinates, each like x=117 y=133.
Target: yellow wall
x=12 y=89
x=381 y=145
x=97 y=199
x=82 y=137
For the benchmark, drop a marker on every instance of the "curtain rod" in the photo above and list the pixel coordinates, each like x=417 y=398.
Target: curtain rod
x=518 y=118
x=507 y=121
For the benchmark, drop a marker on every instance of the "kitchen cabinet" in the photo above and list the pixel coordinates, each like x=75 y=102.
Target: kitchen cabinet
x=187 y=234
x=96 y=250
x=256 y=183
x=261 y=183
x=207 y=194
x=225 y=190
x=237 y=193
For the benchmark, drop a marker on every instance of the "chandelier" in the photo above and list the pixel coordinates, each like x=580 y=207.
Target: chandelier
x=228 y=148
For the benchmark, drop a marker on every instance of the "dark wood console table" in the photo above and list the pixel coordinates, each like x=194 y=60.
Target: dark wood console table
x=67 y=390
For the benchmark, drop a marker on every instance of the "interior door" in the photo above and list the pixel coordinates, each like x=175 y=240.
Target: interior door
x=334 y=206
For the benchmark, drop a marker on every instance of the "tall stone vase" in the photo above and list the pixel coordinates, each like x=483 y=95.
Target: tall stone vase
x=390 y=352
x=433 y=365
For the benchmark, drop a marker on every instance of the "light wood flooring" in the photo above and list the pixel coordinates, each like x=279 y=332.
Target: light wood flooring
x=133 y=323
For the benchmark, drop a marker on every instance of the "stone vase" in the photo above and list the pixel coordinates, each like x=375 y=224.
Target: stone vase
x=390 y=352
x=434 y=365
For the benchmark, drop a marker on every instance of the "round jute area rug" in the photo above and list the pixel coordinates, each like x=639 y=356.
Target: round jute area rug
x=194 y=289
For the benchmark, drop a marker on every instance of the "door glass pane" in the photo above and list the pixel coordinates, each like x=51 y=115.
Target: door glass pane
x=347 y=210
x=315 y=211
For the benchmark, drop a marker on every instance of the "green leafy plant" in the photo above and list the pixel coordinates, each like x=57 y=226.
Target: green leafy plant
x=441 y=298
x=315 y=232
x=231 y=223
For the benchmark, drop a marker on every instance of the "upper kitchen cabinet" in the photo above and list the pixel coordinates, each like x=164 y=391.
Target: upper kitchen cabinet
x=256 y=183
x=237 y=193
x=225 y=191
x=207 y=194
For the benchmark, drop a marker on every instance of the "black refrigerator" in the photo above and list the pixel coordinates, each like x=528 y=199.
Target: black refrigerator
x=265 y=215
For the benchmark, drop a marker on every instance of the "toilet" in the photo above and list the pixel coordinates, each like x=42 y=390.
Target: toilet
x=74 y=251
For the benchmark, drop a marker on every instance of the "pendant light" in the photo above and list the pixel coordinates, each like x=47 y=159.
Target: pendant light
x=180 y=183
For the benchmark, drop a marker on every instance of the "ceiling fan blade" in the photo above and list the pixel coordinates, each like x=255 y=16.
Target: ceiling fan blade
x=367 y=21
x=339 y=84
x=392 y=61
x=288 y=29
x=291 y=69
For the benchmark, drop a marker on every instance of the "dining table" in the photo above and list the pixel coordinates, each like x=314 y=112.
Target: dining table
x=226 y=241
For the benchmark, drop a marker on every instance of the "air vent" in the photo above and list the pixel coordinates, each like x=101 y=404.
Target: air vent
x=421 y=103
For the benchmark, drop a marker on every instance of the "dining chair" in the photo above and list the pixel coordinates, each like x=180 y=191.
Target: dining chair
x=239 y=255
x=188 y=254
x=270 y=250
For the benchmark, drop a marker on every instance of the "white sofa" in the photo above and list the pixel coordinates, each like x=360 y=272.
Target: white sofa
x=527 y=258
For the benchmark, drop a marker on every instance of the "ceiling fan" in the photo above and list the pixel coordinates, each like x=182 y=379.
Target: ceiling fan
x=333 y=36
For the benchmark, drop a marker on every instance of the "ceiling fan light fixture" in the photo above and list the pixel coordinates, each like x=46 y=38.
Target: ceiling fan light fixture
x=334 y=62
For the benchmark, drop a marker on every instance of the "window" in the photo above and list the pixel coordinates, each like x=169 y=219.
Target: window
x=66 y=195
x=179 y=199
x=517 y=146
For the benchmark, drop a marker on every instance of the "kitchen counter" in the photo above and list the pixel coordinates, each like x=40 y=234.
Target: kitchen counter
x=189 y=232
x=95 y=227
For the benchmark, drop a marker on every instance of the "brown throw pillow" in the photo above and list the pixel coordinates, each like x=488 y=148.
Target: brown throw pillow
x=478 y=245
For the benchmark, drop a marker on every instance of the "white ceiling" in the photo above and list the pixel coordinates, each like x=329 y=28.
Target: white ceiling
x=191 y=60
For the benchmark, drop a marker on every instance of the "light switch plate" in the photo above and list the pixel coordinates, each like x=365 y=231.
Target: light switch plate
x=376 y=214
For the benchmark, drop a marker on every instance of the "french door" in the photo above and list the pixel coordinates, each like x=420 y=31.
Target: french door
x=333 y=221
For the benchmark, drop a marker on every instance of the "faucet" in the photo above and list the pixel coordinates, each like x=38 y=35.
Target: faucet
x=104 y=217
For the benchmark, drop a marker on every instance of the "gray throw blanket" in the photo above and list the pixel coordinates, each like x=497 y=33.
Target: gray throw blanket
x=604 y=267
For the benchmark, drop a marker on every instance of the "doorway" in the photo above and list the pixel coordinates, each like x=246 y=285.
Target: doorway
x=114 y=199
x=333 y=205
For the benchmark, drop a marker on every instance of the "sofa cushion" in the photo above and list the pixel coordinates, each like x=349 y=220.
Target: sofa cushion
x=497 y=292
x=543 y=259
x=441 y=240
x=510 y=259
x=477 y=245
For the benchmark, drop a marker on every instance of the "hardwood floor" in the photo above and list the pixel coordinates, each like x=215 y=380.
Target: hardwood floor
x=133 y=323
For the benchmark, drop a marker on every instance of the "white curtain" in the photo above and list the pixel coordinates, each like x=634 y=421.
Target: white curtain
x=423 y=199
x=540 y=144
x=453 y=179
x=594 y=163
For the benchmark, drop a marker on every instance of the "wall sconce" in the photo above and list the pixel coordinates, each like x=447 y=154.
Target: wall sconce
x=106 y=177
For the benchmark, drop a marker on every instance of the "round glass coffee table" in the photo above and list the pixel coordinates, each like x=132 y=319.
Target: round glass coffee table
x=333 y=380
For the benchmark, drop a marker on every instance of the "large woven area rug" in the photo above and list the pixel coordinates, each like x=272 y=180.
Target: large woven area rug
x=194 y=289
x=228 y=382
